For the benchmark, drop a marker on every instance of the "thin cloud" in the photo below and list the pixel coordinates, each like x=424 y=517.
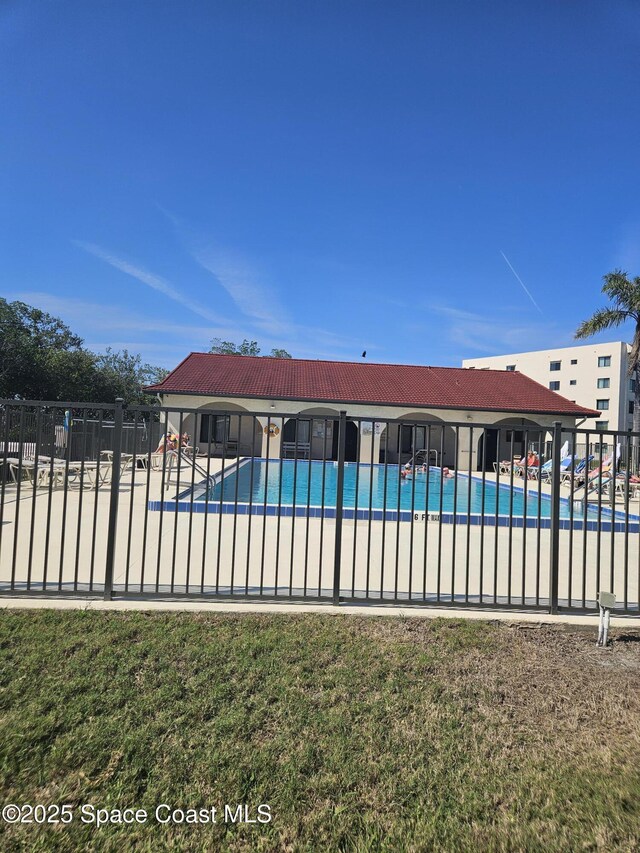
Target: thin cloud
x=150 y=279
x=499 y=332
x=254 y=299
x=244 y=285
x=241 y=283
x=319 y=343
x=258 y=302
x=110 y=318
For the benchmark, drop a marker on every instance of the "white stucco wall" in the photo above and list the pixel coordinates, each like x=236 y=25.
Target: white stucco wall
x=271 y=412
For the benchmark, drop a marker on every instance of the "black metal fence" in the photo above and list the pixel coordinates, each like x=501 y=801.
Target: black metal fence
x=158 y=502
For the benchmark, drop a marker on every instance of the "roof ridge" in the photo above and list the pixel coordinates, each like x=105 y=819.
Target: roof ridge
x=361 y=363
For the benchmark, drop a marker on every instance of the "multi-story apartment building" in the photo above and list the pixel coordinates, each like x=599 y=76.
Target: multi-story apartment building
x=591 y=375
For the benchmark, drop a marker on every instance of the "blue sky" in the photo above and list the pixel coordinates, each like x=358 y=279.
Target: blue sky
x=326 y=177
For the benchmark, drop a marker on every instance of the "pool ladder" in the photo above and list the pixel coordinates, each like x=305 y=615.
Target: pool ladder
x=422 y=457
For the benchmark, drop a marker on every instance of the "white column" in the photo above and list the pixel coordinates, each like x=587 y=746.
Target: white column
x=271 y=441
x=366 y=439
x=369 y=436
x=467 y=449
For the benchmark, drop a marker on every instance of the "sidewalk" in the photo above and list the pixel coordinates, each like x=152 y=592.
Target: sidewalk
x=397 y=611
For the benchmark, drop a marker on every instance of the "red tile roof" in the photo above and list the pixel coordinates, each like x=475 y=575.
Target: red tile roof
x=363 y=382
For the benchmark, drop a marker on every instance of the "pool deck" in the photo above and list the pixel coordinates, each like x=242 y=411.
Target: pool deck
x=183 y=553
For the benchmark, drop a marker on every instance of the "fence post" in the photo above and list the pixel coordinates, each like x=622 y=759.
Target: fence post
x=115 y=496
x=342 y=439
x=554 y=556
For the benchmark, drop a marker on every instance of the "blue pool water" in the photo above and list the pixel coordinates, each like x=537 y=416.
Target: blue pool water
x=372 y=486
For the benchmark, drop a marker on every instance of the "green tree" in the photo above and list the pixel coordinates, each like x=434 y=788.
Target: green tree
x=72 y=375
x=44 y=330
x=230 y=348
x=624 y=297
x=30 y=337
x=42 y=359
x=247 y=347
x=124 y=374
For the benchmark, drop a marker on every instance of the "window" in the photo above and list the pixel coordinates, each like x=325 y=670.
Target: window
x=554 y=365
x=302 y=431
x=405 y=438
x=604 y=361
x=630 y=407
x=411 y=438
x=602 y=425
x=572 y=382
x=632 y=386
x=602 y=405
x=298 y=431
x=554 y=386
x=574 y=361
x=510 y=367
x=604 y=383
x=214 y=428
x=420 y=438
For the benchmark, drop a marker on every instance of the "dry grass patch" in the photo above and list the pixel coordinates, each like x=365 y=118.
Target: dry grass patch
x=361 y=734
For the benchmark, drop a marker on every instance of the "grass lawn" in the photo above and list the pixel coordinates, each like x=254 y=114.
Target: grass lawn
x=359 y=733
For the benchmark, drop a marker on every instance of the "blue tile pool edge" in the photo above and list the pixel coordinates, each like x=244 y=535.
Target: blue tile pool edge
x=605 y=510
x=473 y=519
x=179 y=504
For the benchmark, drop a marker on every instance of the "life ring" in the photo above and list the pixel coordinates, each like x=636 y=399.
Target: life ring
x=272 y=429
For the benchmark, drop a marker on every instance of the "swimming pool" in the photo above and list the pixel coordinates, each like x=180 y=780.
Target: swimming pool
x=376 y=489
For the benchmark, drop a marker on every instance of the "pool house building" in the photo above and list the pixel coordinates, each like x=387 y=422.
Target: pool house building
x=242 y=404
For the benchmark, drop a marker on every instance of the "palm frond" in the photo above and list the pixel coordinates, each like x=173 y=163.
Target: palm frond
x=603 y=318
x=623 y=291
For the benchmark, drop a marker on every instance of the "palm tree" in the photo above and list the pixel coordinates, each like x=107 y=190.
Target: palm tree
x=624 y=294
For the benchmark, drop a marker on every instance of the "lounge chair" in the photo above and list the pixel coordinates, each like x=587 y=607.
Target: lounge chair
x=126 y=459
x=37 y=472
x=503 y=467
x=86 y=473
x=46 y=471
x=595 y=480
x=544 y=472
x=627 y=489
x=528 y=469
x=540 y=472
x=575 y=477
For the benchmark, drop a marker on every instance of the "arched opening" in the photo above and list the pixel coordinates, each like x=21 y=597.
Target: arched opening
x=217 y=431
x=352 y=443
x=507 y=438
x=401 y=440
x=314 y=434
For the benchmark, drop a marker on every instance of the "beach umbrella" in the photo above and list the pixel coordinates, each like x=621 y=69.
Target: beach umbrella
x=564 y=452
